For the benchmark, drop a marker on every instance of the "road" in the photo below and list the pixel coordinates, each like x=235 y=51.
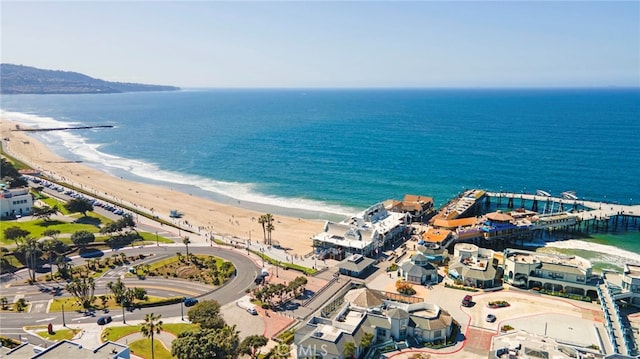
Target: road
x=12 y=323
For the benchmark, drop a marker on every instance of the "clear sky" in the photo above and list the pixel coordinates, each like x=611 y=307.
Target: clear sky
x=330 y=43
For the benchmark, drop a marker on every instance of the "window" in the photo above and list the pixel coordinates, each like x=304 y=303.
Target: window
x=437 y=334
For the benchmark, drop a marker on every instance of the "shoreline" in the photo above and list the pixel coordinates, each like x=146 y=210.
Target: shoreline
x=200 y=213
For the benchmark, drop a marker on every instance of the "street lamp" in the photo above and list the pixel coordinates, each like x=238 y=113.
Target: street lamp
x=157 y=245
x=124 y=321
x=277 y=265
x=64 y=323
x=182 y=309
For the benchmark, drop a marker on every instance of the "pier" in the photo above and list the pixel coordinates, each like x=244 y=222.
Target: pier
x=589 y=215
x=61 y=128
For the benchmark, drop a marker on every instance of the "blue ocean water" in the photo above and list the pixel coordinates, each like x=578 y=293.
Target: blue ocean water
x=339 y=151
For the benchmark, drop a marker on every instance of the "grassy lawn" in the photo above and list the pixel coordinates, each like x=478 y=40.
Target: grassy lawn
x=37 y=227
x=10 y=263
x=151 y=237
x=115 y=333
x=142 y=348
x=59 y=334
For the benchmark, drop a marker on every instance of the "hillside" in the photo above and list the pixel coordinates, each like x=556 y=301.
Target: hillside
x=18 y=79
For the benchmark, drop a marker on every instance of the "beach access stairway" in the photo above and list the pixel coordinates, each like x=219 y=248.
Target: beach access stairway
x=613 y=321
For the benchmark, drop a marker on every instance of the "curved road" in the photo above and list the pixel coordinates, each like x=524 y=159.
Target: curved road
x=246 y=271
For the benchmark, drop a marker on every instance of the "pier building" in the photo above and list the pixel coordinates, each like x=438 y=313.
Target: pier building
x=571 y=274
x=571 y=213
x=367 y=233
x=467 y=204
x=420 y=208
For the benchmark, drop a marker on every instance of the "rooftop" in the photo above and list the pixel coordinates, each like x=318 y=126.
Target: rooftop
x=522 y=256
x=632 y=270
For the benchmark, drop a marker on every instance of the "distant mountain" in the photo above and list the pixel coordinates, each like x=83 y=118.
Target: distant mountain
x=18 y=79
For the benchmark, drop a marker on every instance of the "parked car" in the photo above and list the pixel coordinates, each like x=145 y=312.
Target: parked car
x=104 y=320
x=467 y=301
x=190 y=302
x=252 y=311
x=491 y=318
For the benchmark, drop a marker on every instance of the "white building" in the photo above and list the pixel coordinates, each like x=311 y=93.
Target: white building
x=366 y=233
x=474 y=266
x=571 y=274
x=15 y=202
x=368 y=311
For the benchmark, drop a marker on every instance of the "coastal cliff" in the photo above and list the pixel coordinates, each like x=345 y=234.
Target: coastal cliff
x=18 y=79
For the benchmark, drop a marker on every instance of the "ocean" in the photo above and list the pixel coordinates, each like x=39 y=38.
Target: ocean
x=328 y=153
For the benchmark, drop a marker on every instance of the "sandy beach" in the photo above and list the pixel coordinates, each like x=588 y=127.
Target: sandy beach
x=201 y=214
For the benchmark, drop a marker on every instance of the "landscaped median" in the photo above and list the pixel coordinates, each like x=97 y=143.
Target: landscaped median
x=73 y=305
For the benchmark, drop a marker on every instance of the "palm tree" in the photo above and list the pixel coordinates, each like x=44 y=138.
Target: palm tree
x=49 y=246
x=269 y=226
x=263 y=221
x=31 y=251
x=152 y=325
x=186 y=242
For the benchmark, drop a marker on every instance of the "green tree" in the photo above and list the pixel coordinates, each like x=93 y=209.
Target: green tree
x=81 y=205
x=367 y=340
x=49 y=246
x=251 y=344
x=266 y=220
x=82 y=238
x=31 y=252
x=152 y=325
x=45 y=212
x=139 y=293
x=221 y=343
x=21 y=305
x=117 y=289
x=4 y=302
x=15 y=233
x=127 y=221
x=270 y=227
x=186 y=242
x=263 y=221
x=10 y=174
x=349 y=350
x=280 y=351
x=207 y=314
x=82 y=289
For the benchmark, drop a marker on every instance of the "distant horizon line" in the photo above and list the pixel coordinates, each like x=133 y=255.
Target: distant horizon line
x=416 y=88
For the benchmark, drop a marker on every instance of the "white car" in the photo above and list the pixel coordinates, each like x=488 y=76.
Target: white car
x=252 y=311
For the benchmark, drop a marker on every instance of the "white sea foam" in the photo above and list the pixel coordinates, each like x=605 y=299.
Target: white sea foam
x=90 y=154
x=605 y=252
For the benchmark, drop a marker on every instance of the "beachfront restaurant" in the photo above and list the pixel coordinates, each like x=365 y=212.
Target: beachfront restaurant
x=342 y=240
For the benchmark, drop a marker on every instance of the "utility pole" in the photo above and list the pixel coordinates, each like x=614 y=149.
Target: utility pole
x=157 y=245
